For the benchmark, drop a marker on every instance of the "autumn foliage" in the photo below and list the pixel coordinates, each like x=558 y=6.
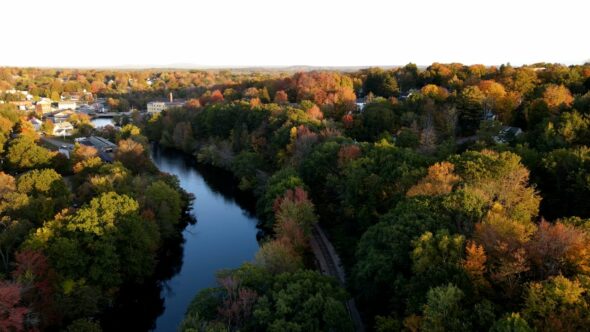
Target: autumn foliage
x=281 y=97
x=315 y=113
x=440 y=180
x=12 y=313
x=556 y=96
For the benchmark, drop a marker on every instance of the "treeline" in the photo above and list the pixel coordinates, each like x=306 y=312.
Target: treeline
x=74 y=231
x=443 y=220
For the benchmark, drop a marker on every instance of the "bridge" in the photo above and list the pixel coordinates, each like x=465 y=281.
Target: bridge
x=108 y=114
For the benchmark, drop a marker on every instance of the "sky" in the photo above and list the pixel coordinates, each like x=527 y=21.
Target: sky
x=244 y=33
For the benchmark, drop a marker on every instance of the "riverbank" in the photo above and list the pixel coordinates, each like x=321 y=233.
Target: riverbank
x=223 y=237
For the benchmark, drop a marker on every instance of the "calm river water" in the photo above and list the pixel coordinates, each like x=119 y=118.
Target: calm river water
x=223 y=236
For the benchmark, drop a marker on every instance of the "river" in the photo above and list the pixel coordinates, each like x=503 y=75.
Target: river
x=223 y=236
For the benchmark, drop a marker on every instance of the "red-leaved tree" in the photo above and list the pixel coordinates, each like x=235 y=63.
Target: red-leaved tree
x=12 y=313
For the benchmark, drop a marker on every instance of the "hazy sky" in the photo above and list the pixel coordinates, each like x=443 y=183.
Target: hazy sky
x=291 y=32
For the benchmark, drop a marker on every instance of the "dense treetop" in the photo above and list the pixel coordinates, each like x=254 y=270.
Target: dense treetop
x=455 y=195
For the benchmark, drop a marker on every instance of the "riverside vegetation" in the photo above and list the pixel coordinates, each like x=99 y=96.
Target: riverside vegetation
x=74 y=232
x=445 y=220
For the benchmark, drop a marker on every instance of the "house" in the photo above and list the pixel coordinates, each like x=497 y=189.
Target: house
x=24 y=93
x=22 y=105
x=63 y=129
x=360 y=104
x=408 y=94
x=86 y=109
x=66 y=105
x=76 y=96
x=488 y=115
x=507 y=134
x=43 y=106
x=36 y=123
x=63 y=115
x=154 y=107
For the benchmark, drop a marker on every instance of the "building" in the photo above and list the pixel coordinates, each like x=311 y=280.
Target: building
x=63 y=115
x=507 y=134
x=106 y=149
x=488 y=115
x=36 y=123
x=154 y=107
x=24 y=93
x=86 y=109
x=43 y=106
x=66 y=105
x=360 y=104
x=408 y=94
x=63 y=129
x=76 y=96
x=22 y=105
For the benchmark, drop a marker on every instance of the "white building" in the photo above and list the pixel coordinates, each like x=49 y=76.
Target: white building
x=63 y=129
x=154 y=107
x=66 y=105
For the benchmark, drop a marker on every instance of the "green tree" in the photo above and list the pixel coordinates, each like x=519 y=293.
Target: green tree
x=104 y=242
x=47 y=194
x=245 y=167
x=557 y=304
x=23 y=154
x=381 y=83
x=498 y=178
x=470 y=104
x=444 y=311
x=563 y=178
x=303 y=301
x=383 y=255
x=165 y=202
x=511 y=323
x=438 y=250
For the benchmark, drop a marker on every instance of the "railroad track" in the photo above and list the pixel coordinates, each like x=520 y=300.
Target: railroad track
x=332 y=268
x=329 y=264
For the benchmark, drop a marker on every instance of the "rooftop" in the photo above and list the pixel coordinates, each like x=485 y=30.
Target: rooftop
x=63 y=125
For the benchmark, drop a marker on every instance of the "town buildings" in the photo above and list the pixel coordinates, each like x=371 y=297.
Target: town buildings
x=154 y=107
x=63 y=129
x=66 y=105
x=43 y=106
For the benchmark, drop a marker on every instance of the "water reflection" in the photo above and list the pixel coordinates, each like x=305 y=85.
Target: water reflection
x=223 y=237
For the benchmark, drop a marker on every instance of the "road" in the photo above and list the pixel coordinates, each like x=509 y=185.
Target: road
x=57 y=142
x=329 y=264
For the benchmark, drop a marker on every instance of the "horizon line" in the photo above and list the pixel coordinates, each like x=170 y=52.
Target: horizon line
x=188 y=66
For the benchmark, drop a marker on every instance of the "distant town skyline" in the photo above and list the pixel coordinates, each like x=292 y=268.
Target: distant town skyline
x=238 y=34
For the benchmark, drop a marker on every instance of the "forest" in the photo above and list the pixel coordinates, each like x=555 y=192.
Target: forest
x=455 y=195
x=76 y=231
